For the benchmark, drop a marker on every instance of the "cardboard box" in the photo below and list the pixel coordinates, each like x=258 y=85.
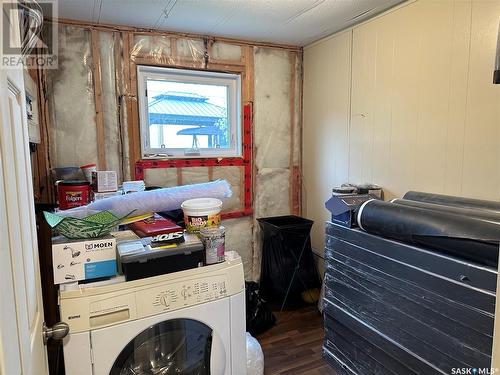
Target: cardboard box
x=104 y=181
x=75 y=260
x=99 y=196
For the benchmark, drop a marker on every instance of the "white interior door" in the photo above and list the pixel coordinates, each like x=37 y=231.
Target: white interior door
x=21 y=310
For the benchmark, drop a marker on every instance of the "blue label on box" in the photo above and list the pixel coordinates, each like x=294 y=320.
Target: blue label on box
x=100 y=269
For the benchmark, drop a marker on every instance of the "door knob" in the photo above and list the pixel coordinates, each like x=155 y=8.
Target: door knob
x=57 y=332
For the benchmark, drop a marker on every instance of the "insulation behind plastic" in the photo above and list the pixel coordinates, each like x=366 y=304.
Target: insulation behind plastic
x=191 y=49
x=73 y=131
x=297 y=124
x=233 y=175
x=160 y=177
x=272 y=70
x=239 y=238
x=155 y=47
x=273 y=198
x=194 y=175
x=225 y=51
x=112 y=134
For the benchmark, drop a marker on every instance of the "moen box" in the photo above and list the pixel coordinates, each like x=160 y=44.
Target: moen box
x=75 y=260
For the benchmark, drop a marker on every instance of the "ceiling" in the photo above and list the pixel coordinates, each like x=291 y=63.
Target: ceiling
x=295 y=22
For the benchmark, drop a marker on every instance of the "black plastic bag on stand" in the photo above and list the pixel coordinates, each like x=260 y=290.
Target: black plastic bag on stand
x=289 y=276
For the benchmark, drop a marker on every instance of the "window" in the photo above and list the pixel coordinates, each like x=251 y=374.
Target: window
x=189 y=113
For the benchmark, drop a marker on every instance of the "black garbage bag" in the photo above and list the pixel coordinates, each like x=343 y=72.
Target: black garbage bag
x=288 y=271
x=259 y=315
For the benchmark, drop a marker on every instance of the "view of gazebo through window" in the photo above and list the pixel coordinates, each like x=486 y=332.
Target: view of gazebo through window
x=187 y=115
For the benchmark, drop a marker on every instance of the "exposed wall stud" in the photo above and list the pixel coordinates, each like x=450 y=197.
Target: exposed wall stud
x=99 y=120
x=294 y=185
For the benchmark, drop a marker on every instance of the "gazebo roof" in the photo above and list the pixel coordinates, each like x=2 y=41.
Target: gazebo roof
x=179 y=108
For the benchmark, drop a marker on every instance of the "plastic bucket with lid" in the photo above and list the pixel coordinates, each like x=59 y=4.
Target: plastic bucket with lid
x=201 y=212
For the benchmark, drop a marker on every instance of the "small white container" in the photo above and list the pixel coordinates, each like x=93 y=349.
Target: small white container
x=201 y=212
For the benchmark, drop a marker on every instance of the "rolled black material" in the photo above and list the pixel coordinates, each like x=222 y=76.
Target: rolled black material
x=483 y=215
x=461 y=236
x=448 y=200
x=392 y=308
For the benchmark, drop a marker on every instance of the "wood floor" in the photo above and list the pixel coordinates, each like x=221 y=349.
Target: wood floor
x=293 y=345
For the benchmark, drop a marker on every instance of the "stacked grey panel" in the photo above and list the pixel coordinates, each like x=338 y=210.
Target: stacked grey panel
x=393 y=308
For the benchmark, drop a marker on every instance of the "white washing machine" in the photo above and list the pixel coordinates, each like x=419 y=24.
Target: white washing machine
x=190 y=322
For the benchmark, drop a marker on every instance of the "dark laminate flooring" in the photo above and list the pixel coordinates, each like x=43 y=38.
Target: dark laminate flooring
x=293 y=345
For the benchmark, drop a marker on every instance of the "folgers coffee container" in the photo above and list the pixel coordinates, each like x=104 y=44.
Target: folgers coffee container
x=213 y=239
x=73 y=194
x=200 y=213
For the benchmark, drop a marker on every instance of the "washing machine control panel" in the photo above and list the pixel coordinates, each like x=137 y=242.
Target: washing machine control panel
x=172 y=296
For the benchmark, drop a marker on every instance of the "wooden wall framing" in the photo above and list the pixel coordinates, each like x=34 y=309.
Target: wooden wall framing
x=127 y=56
x=96 y=80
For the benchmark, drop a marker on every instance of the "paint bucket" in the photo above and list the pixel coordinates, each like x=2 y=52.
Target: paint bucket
x=213 y=239
x=200 y=213
x=73 y=194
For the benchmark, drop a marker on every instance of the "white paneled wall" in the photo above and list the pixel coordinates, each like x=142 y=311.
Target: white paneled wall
x=404 y=100
x=326 y=126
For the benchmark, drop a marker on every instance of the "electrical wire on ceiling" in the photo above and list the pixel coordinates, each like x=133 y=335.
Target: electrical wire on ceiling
x=31 y=22
x=165 y=14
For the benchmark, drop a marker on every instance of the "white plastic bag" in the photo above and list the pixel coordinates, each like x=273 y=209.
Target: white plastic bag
x=255 y=357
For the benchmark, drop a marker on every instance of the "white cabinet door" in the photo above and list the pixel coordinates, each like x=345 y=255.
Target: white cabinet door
x=21 y=310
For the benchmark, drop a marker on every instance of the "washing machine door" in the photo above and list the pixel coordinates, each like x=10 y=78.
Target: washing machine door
x=177 y=346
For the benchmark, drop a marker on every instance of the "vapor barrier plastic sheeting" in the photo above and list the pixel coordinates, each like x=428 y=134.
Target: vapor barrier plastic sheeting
x=272 y=70
x=239 y=239
x=113 y=137
x=73 y=136
x=160 y=177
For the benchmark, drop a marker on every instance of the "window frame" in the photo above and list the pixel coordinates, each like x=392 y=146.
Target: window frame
x=233 y=83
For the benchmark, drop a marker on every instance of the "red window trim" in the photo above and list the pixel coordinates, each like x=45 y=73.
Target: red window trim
x=245 y=161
